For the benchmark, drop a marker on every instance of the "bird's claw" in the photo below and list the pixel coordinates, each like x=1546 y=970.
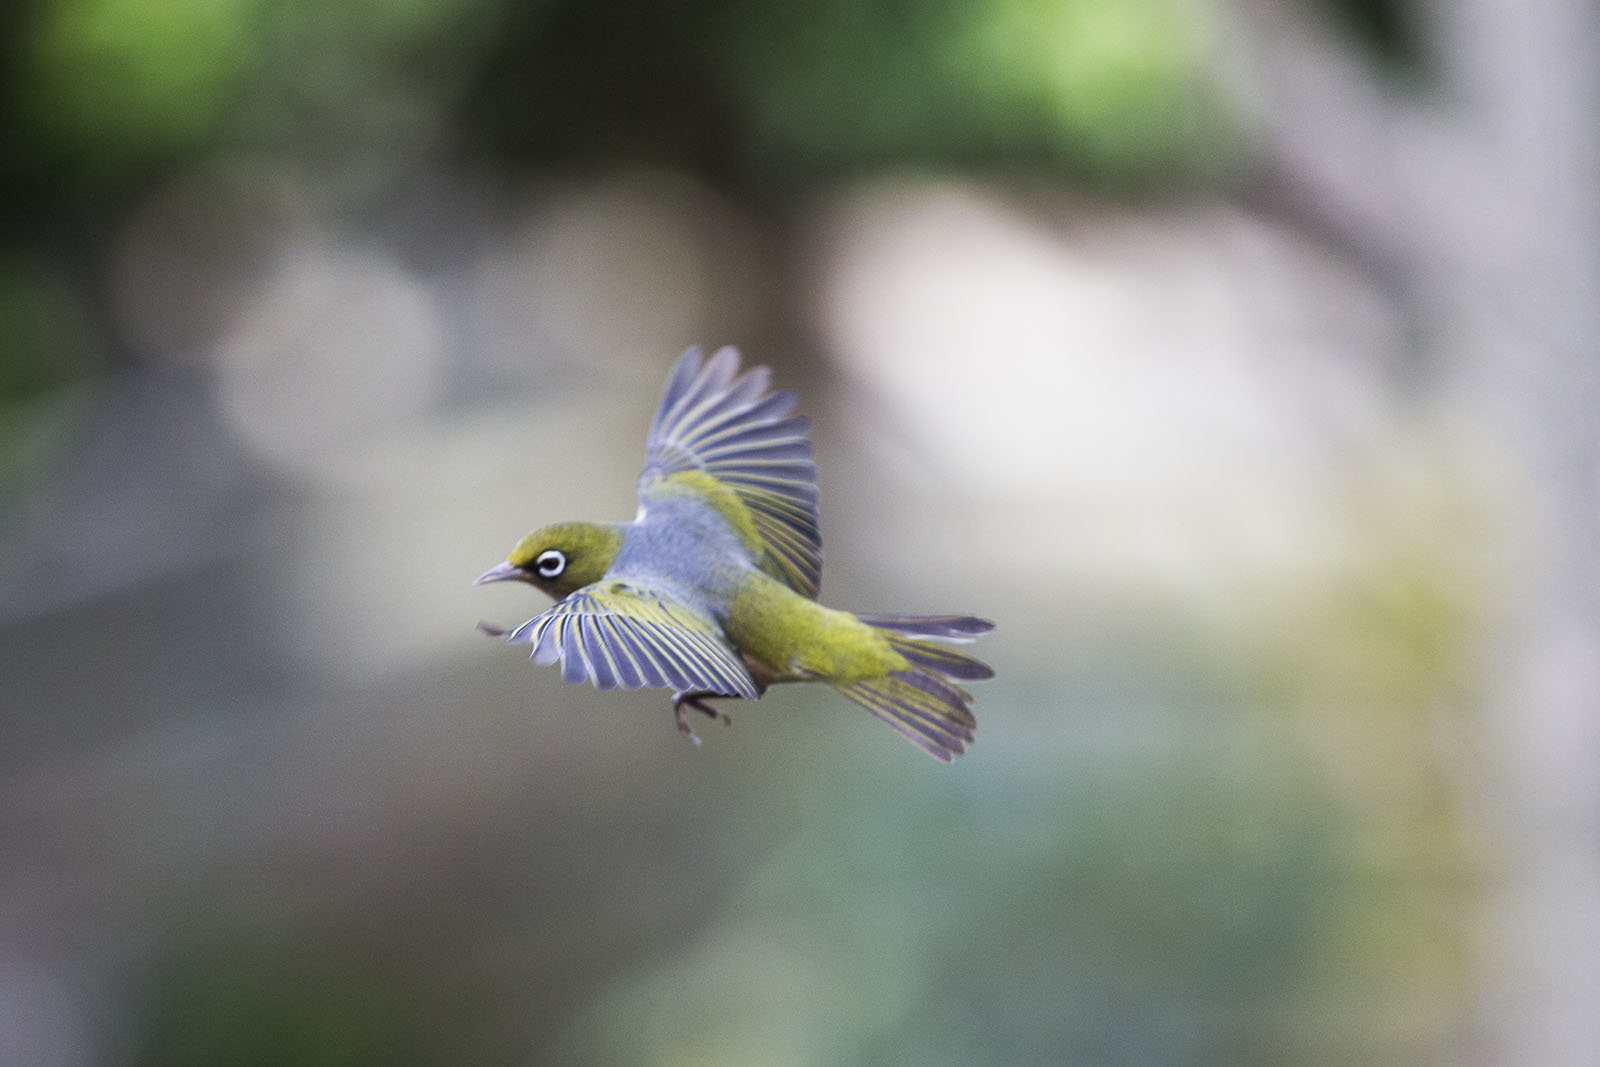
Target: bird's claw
x=680 y=701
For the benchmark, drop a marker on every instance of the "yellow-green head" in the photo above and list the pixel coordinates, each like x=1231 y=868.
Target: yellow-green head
x=560 y=558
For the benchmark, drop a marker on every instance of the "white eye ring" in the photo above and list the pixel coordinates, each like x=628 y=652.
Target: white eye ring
x=551 y=562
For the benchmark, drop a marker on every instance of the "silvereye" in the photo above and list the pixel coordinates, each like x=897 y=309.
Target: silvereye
x=711 y=590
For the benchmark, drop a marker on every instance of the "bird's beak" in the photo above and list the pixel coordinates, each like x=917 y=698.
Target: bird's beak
x=505 y=572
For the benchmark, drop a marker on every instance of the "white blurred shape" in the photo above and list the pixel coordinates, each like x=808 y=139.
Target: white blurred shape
x=1121 y=389
x=1038 y=359
x=384 y=583
x=340 y=345
x=631 y=268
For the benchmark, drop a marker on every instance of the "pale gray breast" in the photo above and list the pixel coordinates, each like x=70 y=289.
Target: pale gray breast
x=681 y=546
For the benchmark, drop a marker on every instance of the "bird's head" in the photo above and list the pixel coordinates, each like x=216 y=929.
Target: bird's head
x=560 y=558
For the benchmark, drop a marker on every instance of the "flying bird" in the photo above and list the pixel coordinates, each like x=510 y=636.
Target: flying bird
x=711 y=590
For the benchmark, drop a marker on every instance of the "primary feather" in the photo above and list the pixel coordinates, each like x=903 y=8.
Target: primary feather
x=729 y=428
x=615 y=634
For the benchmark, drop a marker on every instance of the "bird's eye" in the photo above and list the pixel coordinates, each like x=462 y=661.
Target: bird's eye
x=551 y=563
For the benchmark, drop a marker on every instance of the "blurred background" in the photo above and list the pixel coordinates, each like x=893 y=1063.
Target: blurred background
x=1236 y=356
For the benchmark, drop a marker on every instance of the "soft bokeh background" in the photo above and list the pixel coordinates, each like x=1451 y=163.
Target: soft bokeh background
x=1237 y=356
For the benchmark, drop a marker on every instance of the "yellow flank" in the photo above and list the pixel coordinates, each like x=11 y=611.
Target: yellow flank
x=799 y=638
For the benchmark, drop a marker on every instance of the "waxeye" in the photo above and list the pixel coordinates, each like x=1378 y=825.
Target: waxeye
x=551 y=562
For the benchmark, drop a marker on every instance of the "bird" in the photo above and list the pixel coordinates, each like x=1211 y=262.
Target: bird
x=711 y=590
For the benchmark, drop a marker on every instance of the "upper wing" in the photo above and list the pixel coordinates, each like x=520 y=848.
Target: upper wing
x=616 y=633
x=731 y=428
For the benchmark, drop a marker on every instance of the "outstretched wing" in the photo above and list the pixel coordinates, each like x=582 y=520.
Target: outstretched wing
x=714 y=420
x=615 y=633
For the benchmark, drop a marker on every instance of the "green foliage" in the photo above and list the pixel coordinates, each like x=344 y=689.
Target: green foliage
x=45 y=338
x=1111 y=92
x=290 y=1006
x=47 y=347
x=112 y=87
x=111 y=83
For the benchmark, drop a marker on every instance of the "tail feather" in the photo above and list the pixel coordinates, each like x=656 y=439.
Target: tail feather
x=904 y=632
x=924 y=703
x=945 y=627
x=927 y=712
x=945 y=662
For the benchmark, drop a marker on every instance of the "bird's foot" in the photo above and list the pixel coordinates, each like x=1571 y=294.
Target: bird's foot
x=492 y=630
x=695 y=700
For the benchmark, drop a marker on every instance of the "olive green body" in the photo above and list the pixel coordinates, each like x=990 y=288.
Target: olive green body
x=798 y=639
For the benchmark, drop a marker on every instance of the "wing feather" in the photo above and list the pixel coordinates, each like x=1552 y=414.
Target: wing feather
x=617 y=634
x=725 y=424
